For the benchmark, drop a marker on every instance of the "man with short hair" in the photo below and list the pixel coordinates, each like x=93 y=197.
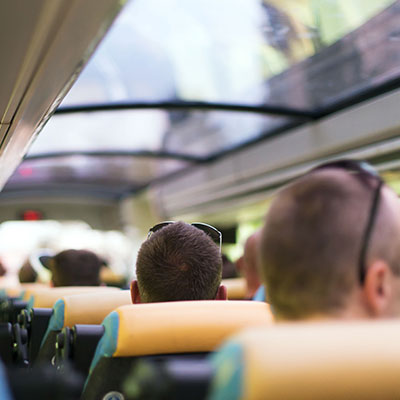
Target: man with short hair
x=330 y=246
x=329 y=249
x=75 y=268
x=177 y=262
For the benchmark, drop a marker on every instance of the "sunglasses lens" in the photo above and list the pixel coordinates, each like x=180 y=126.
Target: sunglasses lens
x=215 y=234
x=157 y=227
x=210 y=231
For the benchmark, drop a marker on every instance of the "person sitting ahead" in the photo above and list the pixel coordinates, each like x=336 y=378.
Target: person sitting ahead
x=26 y=273
x=75 y=268
x=248 y=265
x=330 y=246
x=178 y=261
x=329 y=249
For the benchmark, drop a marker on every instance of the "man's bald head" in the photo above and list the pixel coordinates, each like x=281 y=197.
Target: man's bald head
x=312 y=238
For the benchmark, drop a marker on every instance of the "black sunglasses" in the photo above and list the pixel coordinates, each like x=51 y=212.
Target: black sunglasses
x=214 y=233
x=366 y=173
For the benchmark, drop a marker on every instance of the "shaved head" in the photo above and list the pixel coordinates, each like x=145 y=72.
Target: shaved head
x=311 y=241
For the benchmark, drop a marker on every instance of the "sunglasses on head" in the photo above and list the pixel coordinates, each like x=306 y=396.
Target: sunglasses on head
x=214 y=233
x=367 y=174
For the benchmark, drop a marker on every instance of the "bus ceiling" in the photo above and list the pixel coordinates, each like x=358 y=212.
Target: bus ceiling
x=183 y=90
x=44 y=46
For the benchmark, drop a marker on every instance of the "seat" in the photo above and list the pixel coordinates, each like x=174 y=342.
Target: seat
x=26 y=288
x=10 y=309
x=12 y=300
x=5 y=392
x=175 y=378
x=158 y=331
x=17 y=289
x=33 y=321
x=47 y=297
x=43 y=382
x=11 y=291
x=236 y=288
x=89 y=309
x=348 y=360
x=6 y=343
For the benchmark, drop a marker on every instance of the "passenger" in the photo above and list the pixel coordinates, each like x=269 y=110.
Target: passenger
x=248 y=265
x=3 y=269
x=75 y=268
x=330 y=246
x=329 y=249
x=26 y=273
x=178 y=261
x=228 y=268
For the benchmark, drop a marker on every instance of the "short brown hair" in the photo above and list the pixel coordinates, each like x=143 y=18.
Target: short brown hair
x=311 y=241
x=26 y=273
x=178 y=262
x=76 y=268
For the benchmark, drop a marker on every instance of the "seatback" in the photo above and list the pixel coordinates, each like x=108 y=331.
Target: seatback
x=159 y=329
x=350 y=360
x=177 y=378
x=86 y=308
x=47 y=297
x=32 y=322
x=5 y=392
x=17 y=289
x=12 y=300
x=236 y=288
x=6 y=343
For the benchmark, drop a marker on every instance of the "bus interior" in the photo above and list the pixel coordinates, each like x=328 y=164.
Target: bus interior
x=116 y=115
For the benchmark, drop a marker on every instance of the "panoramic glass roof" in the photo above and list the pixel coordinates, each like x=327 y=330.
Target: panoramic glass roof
x=177 y=82
x=226 y=51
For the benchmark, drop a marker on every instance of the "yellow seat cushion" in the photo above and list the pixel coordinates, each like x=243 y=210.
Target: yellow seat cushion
x=236 y=288
x=46 y=298
x=92 y=308
x=183 y=327
x=349 y=360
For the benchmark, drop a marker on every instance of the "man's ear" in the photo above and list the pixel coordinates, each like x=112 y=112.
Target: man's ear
x=222 y=293
x=135 y=295
x=377 y=289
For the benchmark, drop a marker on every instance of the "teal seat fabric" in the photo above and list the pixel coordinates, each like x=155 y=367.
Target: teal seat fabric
x=30 y=303
x=56 y=322
x=227 y=383
x=108 y=343
x=260 y=294
x=5 y=393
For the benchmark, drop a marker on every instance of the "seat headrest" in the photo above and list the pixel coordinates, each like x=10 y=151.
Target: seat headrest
x=17 y=289
x=236 y=288
x=92 y=308
x=31 y=290
x=13 y=291
x=183 y=327
x=27 y=289
x=46 y=298
x=87 y=308
x=358 y=360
